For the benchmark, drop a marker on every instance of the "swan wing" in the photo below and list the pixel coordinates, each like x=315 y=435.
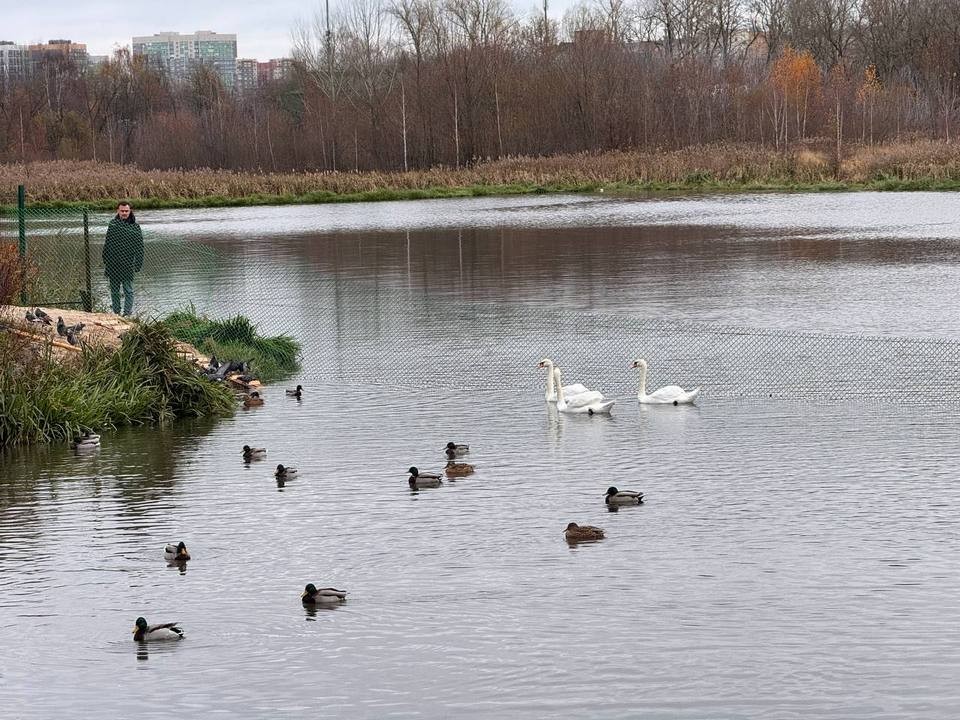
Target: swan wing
x=601 y=408
x=583 y=399
x=575 y=389
x=671 y=394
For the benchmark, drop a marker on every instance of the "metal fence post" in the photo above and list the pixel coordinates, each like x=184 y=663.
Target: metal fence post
x=88 y=298
x=22 y=227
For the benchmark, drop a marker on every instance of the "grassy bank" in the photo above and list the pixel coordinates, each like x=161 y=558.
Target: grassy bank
x=237 y=338
x=921 y=164
x=45 y=398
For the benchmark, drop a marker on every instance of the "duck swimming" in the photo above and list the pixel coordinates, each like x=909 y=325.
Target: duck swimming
x=252 y=453
x=423 y=480
x=455 y=469
x=576 y=532
x=285 y=473
x=176 y=553
x=165 y=631
x=312 y=595
x=87 y=441
x=623 y=497
x=457 y=449
x=295 y=393
x=252 y=400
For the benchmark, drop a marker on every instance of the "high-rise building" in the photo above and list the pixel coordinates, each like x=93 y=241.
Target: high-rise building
x=179 y=54
x=246 y=76
x=275 y=69
x=38 y=55
x=13 y=61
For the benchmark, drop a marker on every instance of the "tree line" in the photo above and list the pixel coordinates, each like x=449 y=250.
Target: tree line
x=406 y=84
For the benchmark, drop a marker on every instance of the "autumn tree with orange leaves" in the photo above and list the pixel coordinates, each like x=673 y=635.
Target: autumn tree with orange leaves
x=867 y=94
x=796 y=79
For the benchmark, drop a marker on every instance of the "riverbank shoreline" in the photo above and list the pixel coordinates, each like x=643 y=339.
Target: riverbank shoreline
x=114 y=373
x=922 y=165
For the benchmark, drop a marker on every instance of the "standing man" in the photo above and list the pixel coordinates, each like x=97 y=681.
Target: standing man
x=122 y=256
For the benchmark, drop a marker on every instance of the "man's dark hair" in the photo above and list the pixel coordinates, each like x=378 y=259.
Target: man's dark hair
x=122 y=203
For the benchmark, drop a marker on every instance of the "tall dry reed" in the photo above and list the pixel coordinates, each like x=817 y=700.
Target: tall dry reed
x=730 y=164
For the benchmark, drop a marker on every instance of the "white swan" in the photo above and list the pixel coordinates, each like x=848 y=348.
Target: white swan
x=582 y=403
x=569 y=390
x=668 y=395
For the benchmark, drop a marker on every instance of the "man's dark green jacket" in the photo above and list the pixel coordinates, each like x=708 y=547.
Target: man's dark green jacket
x=123 y=249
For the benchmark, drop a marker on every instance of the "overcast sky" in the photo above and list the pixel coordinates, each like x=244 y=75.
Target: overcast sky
x=262 y=26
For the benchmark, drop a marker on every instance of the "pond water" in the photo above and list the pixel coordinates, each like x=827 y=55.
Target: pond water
x=794 y=558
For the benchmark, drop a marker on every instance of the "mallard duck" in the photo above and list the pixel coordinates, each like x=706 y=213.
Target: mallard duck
x=252 y=453
x=623 y=497
x=423 y=480
x=165 y=631
x=311 y=595
x=87 y=437
x=176 y=553
x=457 y=449
x=87 y=441
x=295 y=393
x=285 y=473
x=252 y=400
x=583 y=532
x=455 y=469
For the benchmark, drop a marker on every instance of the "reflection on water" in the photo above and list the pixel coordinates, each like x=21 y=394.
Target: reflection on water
x=790 y=559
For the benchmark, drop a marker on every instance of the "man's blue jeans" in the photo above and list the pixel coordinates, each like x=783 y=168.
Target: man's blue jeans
x=127 y=296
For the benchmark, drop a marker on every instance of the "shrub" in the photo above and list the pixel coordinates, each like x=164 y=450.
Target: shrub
x=237 y=339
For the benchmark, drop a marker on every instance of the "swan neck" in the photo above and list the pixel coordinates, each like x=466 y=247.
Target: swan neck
x=551 y=387
x=642 y=388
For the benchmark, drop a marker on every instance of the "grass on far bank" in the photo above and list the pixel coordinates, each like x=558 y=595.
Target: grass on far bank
x=45 y=398
x=236 y=338
x=907 y=165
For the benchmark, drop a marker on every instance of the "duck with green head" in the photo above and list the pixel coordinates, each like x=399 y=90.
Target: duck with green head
x=252 y=453
x=176 y=553
x=423 y=479
x=623 y=497
x=311 y=595
x=285 y=473
x=457 y=449
x=165 y=631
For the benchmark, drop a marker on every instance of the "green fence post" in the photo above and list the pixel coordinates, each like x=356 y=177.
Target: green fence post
x=22 y=227
x=88 y=298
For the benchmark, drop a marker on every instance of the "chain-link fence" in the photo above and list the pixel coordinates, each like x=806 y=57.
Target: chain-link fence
x=413 y=341
x=357 y=332
x=62 y=261
x=56 y=256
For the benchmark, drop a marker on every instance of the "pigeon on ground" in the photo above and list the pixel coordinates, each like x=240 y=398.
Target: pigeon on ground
x=61 y=327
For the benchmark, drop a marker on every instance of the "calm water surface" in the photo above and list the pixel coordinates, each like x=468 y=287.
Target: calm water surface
x=793 y=560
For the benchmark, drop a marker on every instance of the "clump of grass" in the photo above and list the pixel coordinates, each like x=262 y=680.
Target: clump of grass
x=44 y=398
x=237 y=338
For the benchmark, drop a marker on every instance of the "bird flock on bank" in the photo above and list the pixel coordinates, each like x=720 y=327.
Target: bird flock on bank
x=574 y=398
x=71 y=332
